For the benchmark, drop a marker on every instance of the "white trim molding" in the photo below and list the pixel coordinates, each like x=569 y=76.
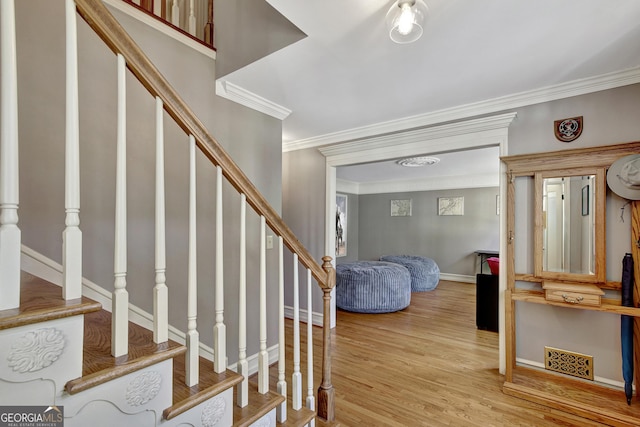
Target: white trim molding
x=316 y=318
x=161 y=27
x=475 y=133
x=537 y=96
x=458 y=278
x=611 y=383
x=242 y=96
x=423 y=184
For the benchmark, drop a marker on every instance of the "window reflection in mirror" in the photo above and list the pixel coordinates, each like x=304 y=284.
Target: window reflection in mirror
x=568 y=219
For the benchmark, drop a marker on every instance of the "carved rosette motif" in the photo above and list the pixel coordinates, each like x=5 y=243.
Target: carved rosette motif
x=213 y=412
x=36 y=350
x=262 y=422
x=143 y=388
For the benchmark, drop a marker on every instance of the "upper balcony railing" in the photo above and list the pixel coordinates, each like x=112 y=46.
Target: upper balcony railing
x=193 y=18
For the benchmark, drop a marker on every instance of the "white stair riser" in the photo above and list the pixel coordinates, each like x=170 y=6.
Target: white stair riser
x=267 y=420
x=137 y=397
x=50 y=351
x=215 y=412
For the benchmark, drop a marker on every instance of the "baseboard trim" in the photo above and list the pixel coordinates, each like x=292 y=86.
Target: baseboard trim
x=39 y=265
x=458 y=278
x=601 y=380
x=316 y=318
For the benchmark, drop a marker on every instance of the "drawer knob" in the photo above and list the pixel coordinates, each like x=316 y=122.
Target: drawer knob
x=568 y=299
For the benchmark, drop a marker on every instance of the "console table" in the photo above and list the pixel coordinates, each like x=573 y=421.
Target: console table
x=484 y=254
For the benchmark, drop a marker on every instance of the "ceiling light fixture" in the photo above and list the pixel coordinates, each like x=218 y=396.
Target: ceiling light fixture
x=405 y=19
x=414 y=162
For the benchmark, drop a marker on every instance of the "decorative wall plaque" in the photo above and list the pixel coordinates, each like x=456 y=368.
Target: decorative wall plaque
x=567 y=130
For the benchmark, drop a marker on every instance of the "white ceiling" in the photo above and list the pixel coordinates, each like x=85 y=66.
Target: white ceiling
x=348 y=75
x=483 y=161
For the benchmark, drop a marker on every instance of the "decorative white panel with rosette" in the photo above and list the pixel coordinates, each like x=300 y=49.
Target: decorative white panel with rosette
x=49 y=352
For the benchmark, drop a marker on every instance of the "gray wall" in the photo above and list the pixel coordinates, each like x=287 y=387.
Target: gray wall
x=251 y=138
x=449 y=240
x=303 y=209
x=247 y=30
x=609 y=118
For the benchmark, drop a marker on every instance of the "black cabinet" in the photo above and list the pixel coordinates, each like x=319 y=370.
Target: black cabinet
x=487 y=302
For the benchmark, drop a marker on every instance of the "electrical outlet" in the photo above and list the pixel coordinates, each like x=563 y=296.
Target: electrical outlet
x=269 y=242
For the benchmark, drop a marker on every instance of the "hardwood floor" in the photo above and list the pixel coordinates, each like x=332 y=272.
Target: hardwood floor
x=426 y=365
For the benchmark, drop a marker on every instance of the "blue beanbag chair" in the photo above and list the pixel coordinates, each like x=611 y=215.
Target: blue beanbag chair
x=425 y=273
x=372 y=287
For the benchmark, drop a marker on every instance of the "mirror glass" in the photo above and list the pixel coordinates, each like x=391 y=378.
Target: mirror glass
x=569 y=225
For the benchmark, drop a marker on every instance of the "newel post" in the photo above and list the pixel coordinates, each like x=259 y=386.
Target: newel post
x=326 y=402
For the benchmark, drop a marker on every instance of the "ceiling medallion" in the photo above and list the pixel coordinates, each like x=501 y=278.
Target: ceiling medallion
x=567 y=130
x=414 y=162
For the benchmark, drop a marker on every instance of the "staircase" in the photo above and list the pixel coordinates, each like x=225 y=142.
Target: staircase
x=107 y=362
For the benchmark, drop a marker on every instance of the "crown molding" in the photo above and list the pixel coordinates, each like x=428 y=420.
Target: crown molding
x=237 y=94
x=521 y=99
x=160 y=26
x=482 y=132
x=346 y=186
x=424 y=184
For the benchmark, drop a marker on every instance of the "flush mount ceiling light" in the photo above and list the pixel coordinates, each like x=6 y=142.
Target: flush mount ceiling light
x=414 y=162
x=405 y=20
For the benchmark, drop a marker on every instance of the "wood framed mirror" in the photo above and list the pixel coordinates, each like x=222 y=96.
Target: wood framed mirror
x=570 y=210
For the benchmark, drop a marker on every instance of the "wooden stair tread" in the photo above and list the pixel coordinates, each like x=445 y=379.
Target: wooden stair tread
x=98 y=364
x=209 y=384
x=297 y=418
x=259 y=405
x=41 y=301
x=582 y=397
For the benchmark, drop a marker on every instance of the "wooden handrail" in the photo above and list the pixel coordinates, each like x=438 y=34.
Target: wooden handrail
x=111 y=32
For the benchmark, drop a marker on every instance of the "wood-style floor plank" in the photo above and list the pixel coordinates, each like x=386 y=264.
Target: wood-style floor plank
x=426 y=365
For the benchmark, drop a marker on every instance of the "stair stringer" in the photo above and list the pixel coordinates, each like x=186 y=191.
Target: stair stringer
x=48 y=354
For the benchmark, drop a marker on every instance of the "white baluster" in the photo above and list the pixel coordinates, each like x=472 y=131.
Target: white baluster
x=72 y=236
x=296 y=377
x=160 y=291
x=243 y=365
x=281 y=411
x=219 y=329
x=310 y=402
x=193 y=337
x=175 y=13
x=120 y=300
x=9 y=195
x=192 y=18
x=263 y=355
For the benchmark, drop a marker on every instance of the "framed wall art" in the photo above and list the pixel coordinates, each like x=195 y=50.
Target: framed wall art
x=450 y=206
x=341 y=225
x=401 y=207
